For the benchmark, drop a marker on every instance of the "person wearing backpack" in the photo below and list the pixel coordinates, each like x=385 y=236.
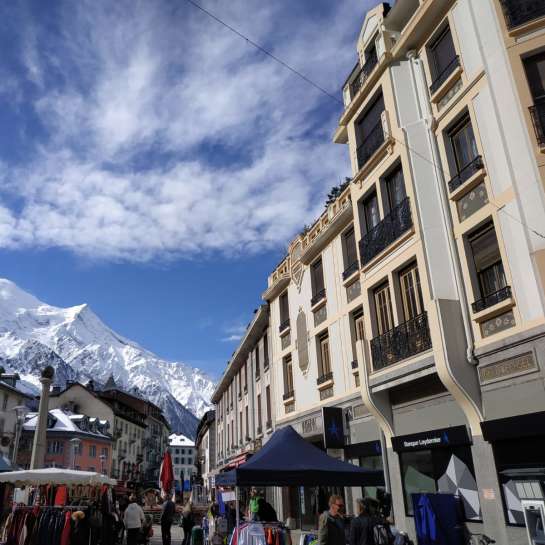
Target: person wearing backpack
x=331 y=526
x=361 y=526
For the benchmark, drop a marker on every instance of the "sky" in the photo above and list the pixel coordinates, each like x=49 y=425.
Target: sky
x=155 y=166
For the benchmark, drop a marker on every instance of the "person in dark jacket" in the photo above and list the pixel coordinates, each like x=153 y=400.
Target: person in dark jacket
x=361 y=527
x=265 y=511
x=188 y=522
x=331 y=526
x=168 y=511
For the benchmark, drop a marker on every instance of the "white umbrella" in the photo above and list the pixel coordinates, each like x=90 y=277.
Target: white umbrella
x=55 y=476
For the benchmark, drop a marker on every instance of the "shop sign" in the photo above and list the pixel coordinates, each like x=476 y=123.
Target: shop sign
x=505 y=368
x=309 y=426
x=440 y=438
x=488 y=494
x=333 y=427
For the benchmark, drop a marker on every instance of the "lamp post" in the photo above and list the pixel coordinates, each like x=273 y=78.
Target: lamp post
x=76 y=444
x=20 y=413
x=102 y=460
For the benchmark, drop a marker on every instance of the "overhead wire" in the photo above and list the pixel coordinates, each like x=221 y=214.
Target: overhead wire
x=500 y=208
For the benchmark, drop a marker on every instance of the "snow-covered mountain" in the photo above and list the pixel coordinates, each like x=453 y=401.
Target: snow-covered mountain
x=80 y=347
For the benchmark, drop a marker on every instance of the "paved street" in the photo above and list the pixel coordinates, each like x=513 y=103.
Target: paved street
x=177 y=535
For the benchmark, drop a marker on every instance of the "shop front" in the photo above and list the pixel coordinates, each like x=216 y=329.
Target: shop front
x=435 y=461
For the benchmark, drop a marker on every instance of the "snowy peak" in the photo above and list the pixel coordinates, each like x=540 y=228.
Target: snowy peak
x=80 y=347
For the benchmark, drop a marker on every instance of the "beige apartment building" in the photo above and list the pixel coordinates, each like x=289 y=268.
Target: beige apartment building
x=412 y=312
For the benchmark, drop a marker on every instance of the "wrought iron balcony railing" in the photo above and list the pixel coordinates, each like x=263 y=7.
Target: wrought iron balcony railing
x=372 y=143
x=317 y=297
x=397 y=222
x=444 y=74
x=288 y=395
x=491 y=299
x=284 y=325
x=518 y=12
x=363 y=74
x=401 y=342
x=465 y=173
x=324 y=378
x=538 y=120
x=350 y=270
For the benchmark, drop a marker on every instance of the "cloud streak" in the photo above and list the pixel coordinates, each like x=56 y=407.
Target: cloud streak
x=165 y=136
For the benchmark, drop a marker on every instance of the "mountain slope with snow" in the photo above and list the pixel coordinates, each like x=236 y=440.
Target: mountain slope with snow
x=80 y=346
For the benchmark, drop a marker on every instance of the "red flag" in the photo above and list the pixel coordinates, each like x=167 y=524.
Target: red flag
x=166 y=475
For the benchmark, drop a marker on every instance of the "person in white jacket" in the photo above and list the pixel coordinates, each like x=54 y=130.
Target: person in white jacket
x=134 y=519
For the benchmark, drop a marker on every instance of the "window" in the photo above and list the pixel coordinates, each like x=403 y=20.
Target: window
x=288 y=374
x=247 y=422
x=245 y=377
x=177 y=461
x=268 y=400
x=411 y=294
x=92 y=451
x=371 y=119
x=257 y=370
x=104 y=452
x=317 y=273
x=487 y=260
x=383 y=307
x=240 y=434
x=92 y=469
x=55 y=447
x=259 y=420
x=425 y=471
x=358 y=332
x=442 y=54
x=324 y=361
x=183 y=451
x=265 y=351
x=350 y=252
x=535 y=73
x=5 y=402
x=395 y=188
x=370 y=212
x=462 y=144
x=284 y=308
x=183 y=461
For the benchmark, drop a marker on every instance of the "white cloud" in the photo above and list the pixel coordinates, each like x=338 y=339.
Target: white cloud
x=169 y=135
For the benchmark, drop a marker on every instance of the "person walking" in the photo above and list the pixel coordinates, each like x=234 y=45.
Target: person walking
x=187 y=523
x=167 y=517
x=361 y=528
x=331 y=525
x=134 y=518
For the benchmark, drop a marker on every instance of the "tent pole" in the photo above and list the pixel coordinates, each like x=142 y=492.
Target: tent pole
x=237 y=506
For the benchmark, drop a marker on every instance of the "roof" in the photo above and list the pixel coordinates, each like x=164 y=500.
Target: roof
x=180 y=441
x=14 y=390
x=253 y=333
x=67 y=422
x=288 y=460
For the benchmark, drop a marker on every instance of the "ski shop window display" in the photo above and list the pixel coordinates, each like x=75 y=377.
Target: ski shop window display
x=439 y=461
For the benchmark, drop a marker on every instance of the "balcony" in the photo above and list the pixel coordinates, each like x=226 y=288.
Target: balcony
x=320 y=296
x=371 y=144
x=363 y=74
x=519 y=12
x=284 y=325
x=491 y=299
x=324 y=378
x=443 y=76
x=397 y=222
x=288 y=395
x=465 y=173
x=401 y=342
x=538 y=120
x=350 y=270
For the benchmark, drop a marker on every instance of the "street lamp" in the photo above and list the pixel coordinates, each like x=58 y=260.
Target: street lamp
x=102 y=460
x=76 y=444
x=20 y=413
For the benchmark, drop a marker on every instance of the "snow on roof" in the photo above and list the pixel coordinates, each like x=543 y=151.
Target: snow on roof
x=180 y=441
x=64 y=421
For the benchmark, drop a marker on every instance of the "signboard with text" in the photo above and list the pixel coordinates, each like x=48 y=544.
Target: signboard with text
x=441 y=438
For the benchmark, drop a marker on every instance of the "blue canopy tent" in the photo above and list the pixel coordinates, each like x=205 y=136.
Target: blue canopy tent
x=288 y=460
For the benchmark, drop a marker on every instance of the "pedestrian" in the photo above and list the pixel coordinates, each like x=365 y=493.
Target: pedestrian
x=134 y=518
x=331 y=525
x=361 y=528
x=187 y=523
x=253 y=505
x=167 y=516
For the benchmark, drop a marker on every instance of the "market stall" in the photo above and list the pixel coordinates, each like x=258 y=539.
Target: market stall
x=288 y=460
x=69 y=506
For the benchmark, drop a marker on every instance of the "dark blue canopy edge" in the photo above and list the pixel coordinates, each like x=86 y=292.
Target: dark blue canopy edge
x=288 y=460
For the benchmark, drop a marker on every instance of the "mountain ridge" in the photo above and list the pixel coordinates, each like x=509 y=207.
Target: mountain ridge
x=81 y=347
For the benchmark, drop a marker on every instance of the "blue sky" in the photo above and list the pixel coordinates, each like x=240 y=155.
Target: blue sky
x=154 y=165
